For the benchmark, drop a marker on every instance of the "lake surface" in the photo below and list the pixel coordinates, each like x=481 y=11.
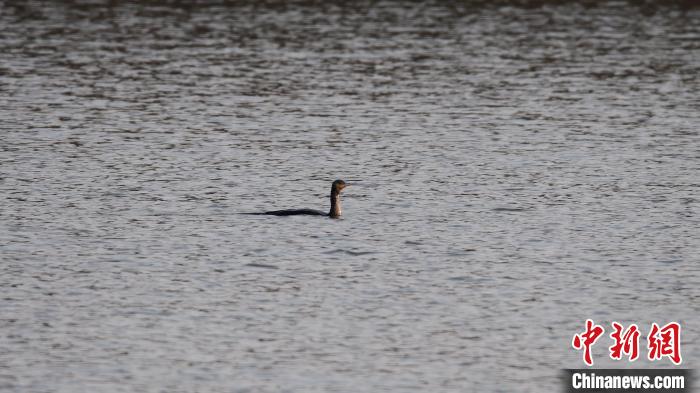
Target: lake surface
x=515 y=169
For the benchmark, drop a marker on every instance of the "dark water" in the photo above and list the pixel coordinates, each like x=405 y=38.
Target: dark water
x=517 y=169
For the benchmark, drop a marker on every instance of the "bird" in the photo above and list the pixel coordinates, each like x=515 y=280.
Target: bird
x=335 y=211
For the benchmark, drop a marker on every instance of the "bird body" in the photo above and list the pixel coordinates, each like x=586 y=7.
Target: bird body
x=335 y=211
x=295 y=212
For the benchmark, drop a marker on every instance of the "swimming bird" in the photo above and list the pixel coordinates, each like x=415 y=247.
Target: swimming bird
x=335 y=211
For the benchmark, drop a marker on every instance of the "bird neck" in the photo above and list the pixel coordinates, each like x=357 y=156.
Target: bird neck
x=335 y=204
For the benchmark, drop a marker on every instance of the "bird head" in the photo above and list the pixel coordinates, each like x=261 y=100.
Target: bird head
x=338 y=186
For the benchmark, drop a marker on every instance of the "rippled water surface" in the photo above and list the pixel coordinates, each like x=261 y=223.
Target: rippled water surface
x=514 y=169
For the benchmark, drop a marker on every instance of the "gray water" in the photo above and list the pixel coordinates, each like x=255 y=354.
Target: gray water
x=514 y=170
